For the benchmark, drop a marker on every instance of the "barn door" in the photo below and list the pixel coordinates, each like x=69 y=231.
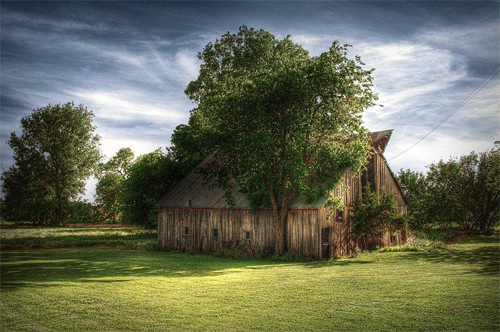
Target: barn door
x=325 y=243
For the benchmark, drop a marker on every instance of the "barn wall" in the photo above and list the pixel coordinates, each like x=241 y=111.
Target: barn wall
x=231 y=225
x=304 y=227
x=386 y=183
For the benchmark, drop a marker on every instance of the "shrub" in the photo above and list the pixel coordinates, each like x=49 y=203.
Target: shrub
x=83 y=212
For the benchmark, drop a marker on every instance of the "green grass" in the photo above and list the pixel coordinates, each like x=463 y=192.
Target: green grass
x=63 y=237
x=95 y=289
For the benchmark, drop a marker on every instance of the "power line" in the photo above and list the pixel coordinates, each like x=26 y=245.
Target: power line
x=469 y=97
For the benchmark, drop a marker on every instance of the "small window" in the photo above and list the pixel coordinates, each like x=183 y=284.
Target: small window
x=247 y=235
x=186 y=230
x=340 y=216
x=393 y=238
x=215 y=232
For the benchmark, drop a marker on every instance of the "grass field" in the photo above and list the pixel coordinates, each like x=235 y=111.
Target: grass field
x=100 y=289
x=88 y=236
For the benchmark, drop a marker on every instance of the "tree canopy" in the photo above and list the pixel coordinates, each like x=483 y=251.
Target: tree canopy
x=56 y=152
x=462 y=192
x=278 y=121
x=149 y=178
x=111 y=175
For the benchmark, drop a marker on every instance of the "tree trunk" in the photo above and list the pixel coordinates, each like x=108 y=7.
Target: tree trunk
x=280 y=213
x=58 y=221
x=279 y=230
x=59 y=207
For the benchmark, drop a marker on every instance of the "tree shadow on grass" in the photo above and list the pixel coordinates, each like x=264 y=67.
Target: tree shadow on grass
x=47 y=268
x=483 y=260
x=330 y=263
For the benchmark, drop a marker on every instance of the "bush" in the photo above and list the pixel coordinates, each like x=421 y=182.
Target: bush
x=83 y=212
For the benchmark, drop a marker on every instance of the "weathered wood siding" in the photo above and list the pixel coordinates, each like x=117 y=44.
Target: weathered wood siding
x=386 y=183
x=303 y=230
x=231 y=225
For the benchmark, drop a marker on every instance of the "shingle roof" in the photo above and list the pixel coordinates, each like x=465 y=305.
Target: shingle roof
x=190 y=191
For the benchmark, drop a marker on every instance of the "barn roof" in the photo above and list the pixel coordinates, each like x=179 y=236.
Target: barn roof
x=379 y=140
x=190 y=191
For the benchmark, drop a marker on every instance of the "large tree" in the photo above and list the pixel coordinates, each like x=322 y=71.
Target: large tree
x=415 y=188
x=188 y=149
x=56 y=152
x=149 y=178
x=111 y=176
x=280 y=122
x=470 y=185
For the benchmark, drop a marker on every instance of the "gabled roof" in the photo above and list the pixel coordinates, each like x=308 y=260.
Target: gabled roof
x=191 y=193
x=379 y=140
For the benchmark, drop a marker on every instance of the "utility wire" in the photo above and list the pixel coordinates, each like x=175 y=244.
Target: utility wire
x=469 y=97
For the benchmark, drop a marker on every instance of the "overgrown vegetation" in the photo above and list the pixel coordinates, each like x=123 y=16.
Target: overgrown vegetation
x=111 y=176
x=371 y=214
x=93 y=289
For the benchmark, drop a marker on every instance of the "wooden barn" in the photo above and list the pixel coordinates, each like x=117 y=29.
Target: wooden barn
x=195 y=217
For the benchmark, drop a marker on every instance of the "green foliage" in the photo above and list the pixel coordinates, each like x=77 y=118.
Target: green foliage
x=150 y=177
x=471 y=187
x=107 y=190
x=463 y=192
x=279 y=122
x=119 y=163
x=56 y=152
x=188 y=148
x=82 y=212
x=111 y=176
x=372 y=214
x=414 y=187
x=335 y=203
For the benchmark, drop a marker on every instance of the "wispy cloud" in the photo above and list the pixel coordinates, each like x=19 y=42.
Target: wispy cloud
x=479 y=39
x=407 y=75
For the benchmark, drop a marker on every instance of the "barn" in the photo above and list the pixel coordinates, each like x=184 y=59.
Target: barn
x=192 y=216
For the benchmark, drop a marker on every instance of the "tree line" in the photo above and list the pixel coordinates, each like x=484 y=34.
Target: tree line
x=462 y=192
x=58 y=151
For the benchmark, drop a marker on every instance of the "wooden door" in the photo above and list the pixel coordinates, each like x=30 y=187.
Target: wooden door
x=325 y=243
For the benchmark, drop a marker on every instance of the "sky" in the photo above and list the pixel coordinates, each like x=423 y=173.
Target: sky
x=130 y=63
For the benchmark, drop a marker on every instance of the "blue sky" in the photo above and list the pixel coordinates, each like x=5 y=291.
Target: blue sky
x=130 y=62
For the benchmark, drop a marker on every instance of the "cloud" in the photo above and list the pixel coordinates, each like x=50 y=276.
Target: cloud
x=411 y=76
x=478 y=39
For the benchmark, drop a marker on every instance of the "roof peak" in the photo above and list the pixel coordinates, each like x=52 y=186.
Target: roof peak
x=380 y=139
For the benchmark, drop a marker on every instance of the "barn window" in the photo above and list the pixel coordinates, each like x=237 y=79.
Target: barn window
x=186 y=230
x=247 y=235
x=340 y=216
x=215 y=232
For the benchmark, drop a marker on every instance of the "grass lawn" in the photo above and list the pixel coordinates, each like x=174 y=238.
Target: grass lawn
x=102 y=289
